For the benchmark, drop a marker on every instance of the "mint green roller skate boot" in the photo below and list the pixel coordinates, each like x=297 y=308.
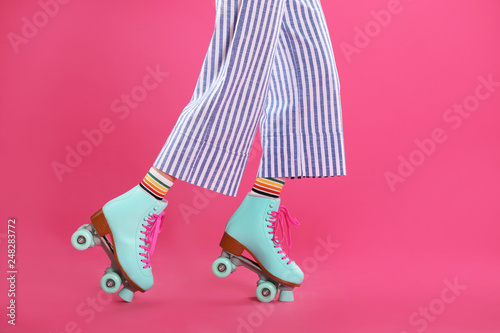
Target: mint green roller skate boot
x=127 y=228
x=254 y=228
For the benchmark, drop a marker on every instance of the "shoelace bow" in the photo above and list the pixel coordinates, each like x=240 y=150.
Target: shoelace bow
x=153 y=228
x=282 y=220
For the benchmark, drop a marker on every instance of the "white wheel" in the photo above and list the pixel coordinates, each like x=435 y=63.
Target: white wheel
x=82 y=239
x=111 y=282
x=266 y=291
x=222 y=267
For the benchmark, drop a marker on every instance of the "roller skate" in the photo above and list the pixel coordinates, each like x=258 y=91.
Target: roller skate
x=254 y=228
x=126 y=228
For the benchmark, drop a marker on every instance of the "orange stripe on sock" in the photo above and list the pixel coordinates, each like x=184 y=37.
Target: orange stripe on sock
x=155 y=184
x=269 y=182
x=150 y=189
x=152 y=185
x=271 y=186
x=265 y=189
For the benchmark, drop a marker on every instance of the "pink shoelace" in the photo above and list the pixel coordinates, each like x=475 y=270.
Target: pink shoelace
x=153 y=228
x=282 y=220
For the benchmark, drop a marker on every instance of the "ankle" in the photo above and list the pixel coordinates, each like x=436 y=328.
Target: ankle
x=268 y=187
x=156 y=184
x=166 y=175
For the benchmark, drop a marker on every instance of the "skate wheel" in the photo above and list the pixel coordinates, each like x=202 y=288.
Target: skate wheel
x=126 y=294
x=266 y=291
x=222 y=267
x=84 y=226
x=82 y=239
x=111 y=282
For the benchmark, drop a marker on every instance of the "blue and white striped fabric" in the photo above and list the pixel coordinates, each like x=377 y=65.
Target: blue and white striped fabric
x=269 y=62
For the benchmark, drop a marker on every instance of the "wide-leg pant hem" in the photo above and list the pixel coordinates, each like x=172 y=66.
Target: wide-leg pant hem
x=217 y=169
x=209 y=166
x=308 y=160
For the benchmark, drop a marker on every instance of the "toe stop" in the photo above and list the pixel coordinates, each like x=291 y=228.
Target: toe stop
x=126 y=294
x=286 y=296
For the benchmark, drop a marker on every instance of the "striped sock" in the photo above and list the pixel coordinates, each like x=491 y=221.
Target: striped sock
x=268 y=187
x=156 y=184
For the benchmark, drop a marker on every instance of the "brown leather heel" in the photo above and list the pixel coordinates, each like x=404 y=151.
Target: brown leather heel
x=231 y=245
x=100 y=223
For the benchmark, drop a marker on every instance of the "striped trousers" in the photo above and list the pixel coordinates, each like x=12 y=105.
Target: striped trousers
x=270 y=62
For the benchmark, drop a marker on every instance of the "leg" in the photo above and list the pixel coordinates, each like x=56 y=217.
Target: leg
x=210 y=144
x=166 y=175
x=301 y=129
x=301 y=134
x=211 y=141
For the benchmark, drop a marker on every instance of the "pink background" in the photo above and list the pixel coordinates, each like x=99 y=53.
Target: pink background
x=396 y=247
